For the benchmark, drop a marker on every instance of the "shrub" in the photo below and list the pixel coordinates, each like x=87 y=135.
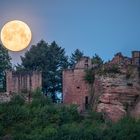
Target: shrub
x=111 y=69
x=13 y=115
x=50 y=132
x=89 y=76
x=17 y=100
x=1 y=130
x=95 y=116
x=68 y=114
x=78 y=131
x=126 y=129
x=44 y=121
x=39 y=99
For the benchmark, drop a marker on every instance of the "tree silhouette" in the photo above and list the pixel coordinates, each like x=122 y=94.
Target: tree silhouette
x=5 y=64
x=50 y=60
x=75 y=57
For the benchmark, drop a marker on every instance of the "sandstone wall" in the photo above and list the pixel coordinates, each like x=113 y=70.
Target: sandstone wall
x=118 y=96
x=75 y=90
x=23 y=81
x=84 y=63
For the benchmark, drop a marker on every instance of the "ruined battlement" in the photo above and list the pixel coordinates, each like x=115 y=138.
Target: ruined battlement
x=136 y=58
x=84 y=63
x=124 y=60
x=115 y=96
x=17 y=82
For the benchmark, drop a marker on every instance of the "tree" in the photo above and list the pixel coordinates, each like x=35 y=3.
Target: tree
x=97 y=60
x=4 y=59
x=75 y=57
x=4 y=65
x=50 y=60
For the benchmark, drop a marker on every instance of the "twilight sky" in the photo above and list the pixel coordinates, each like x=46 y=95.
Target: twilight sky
x=94 y=26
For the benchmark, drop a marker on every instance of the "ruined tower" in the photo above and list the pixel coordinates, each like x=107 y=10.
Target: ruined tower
x=136 y=58
x=75 y=89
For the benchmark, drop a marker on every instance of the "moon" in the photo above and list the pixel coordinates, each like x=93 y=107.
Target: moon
x=16 y=35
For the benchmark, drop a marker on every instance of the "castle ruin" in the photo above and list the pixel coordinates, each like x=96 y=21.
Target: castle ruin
x=18 y=82
x=116 y=95
x=124 y=60
x=75 y=89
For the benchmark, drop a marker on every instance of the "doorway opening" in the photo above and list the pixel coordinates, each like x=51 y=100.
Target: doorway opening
x=86 y=103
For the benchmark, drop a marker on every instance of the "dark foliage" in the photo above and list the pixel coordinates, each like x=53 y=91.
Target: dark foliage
x=43 y=120
x=112 y=69
x=97 y=60
x=5 y=64
x=89 y=76
x=75 y=57
x=50 y=60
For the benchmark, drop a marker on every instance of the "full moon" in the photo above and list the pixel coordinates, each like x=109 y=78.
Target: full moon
x=16 y=35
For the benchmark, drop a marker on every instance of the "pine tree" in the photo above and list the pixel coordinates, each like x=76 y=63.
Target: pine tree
x=5 y=64
x=75 y=57
x=50 y=60
x=97 y=60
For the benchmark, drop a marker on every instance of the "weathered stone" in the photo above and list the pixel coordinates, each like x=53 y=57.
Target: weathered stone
x=17 y=82
x=115 y=95
x=75 y=89
x=5 y=97
x=118 y=96
x=111 y=112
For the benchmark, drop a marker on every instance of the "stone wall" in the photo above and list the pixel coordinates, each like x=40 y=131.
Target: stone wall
x=124 y=60
x=115 y=95
x=75 y=90
x=121 y=60
x=119 y=96
x=84 y=63
x=136 y=58
x=23 y=81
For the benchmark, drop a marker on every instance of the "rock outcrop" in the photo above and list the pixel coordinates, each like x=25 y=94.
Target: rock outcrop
x=5 y=97
x=116 y=88
x=117 y=95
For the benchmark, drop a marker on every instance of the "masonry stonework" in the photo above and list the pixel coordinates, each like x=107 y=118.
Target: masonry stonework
x=119 y=96
x=136 y=58
x=17 y=82
x=115 y=95
x=124 y=60
x=75 y=89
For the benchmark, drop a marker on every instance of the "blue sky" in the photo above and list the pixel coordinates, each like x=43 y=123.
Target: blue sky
x=94 y=26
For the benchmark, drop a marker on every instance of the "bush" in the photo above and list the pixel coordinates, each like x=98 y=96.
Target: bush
x=50 y=132
x=43 y=121
x=78 y=131
x=1 y=130
x=13 y=115
x=37 y=93
x=47 y=115
x=126 y=129
x=95 y=116
x=17 y=100
x=39 y=99
x=112 y=69
x=89 y=76
x=68 y=114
